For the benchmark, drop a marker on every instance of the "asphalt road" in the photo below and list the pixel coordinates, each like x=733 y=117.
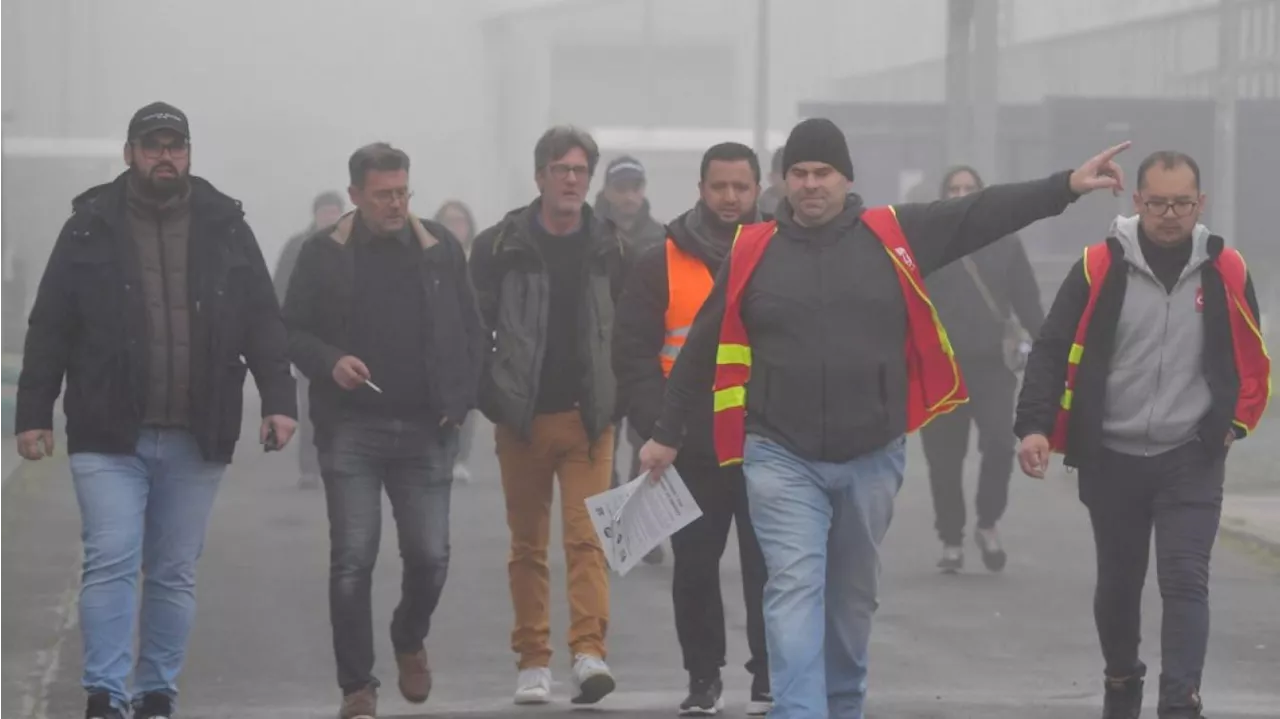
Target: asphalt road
x=1020 y=644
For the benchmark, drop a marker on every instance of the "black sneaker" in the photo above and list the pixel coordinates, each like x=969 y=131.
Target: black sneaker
x=1123 y=699
x=993 y=556
x=761 y=698
x=952 y=559
x=154 y=706
x=705 y=698
x=1177 y=703
x=99 y=707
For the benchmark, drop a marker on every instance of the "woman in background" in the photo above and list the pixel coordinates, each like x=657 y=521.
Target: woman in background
x=455 y=215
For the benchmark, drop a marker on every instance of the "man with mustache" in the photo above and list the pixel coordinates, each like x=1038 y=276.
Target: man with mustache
x=154 y=304
x=1149 y=366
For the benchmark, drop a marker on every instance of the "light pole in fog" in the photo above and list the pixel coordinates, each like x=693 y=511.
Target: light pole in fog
x=760 y=139
x=4 y=234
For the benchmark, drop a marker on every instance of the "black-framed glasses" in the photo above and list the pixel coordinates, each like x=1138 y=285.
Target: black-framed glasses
x=561 y=171
x=153 y=148
x=1160 y=208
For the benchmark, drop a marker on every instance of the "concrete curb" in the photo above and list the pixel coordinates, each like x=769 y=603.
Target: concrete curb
x=1252 y=539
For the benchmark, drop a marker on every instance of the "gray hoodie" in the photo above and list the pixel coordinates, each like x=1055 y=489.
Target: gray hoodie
x=1157 y=393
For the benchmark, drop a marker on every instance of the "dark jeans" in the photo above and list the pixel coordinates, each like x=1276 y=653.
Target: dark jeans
x=308 y=457
x=634 y=442
x=946 y=442
x=721 y=493
x=414 y=463
x=1179 y=494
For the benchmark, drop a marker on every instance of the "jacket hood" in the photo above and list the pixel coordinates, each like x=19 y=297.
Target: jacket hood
x=107 y=199
x=1126 y=229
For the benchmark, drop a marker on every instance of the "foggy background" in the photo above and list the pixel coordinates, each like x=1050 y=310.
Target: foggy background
x=280 y=93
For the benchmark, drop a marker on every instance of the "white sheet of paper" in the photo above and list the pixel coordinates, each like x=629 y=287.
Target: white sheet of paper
x=633 y=519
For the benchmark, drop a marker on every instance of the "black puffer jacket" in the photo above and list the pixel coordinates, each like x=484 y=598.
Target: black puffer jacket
x=89 y=324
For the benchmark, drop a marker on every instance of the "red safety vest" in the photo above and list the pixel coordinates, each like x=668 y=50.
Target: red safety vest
x=1253 y=365
x=934 y=384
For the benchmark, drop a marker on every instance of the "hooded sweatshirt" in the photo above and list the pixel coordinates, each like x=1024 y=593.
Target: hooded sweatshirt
x=1157 y=393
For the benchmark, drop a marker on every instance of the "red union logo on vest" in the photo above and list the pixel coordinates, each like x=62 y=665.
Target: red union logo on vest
x=904 y=255
x=1199 y=299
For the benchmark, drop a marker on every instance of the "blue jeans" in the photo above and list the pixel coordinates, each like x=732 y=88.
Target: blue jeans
x=820 y=525
x=147 y=511
x=413 y=461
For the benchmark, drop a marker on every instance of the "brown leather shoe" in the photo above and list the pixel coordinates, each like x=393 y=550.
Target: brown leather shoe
x=360 y=705
x=415 y=676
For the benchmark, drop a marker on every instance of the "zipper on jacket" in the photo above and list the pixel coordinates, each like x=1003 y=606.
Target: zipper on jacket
x=1155 y=393
x=168 y=322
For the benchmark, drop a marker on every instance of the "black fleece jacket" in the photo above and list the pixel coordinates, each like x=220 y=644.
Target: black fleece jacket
x=827 y=321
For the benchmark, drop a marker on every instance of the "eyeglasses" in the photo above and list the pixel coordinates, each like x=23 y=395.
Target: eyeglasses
x=386 y=197
x=153 y=149
x=561 y=172
x=1181 y=208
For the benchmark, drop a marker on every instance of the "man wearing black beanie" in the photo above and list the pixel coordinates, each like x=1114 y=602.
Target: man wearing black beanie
x=824 y=352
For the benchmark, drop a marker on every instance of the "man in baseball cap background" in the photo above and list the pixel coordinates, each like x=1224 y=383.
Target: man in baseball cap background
x=157 y=130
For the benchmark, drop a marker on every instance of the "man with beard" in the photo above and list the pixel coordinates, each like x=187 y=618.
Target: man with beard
x=325 y=211
x=825 y=315
x=1148 y=368
x=664 y=291
x=153 y=294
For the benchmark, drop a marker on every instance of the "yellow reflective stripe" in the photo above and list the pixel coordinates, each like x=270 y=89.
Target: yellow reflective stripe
x=1066 y=399
x=1242 y=426
x=733 y=354
x=1244 y=313
x=731 y=462
x=1077 y=351
x=730 y=398
x=1088 y=280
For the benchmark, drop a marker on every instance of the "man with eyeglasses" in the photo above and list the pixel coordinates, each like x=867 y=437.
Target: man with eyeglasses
x=383 y=323
x=154 y=304
x=1154 y=335
x=547 y=277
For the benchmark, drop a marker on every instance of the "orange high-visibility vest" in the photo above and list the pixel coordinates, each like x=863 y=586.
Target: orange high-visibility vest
x=689 y=283
x=1253 y=364
x=934 y=384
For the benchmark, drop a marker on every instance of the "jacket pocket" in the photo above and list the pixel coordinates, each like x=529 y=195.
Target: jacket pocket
x=230 y=400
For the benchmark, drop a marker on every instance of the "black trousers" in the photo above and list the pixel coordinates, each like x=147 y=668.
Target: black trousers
x=946 y=442
x=1179 y=495
x=721 y=493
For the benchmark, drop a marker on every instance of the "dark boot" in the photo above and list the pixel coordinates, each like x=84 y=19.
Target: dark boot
x=1178 y=701
x=1123 y=699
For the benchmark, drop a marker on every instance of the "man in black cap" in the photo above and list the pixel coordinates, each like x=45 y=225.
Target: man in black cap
x=326 y=209
x=824 y=352
x=622 y=199
x=154 y=304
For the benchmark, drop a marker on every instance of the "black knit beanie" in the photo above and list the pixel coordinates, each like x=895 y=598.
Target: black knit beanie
x=818 y=140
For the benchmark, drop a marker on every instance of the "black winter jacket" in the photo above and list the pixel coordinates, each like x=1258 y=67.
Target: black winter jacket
x=640 y=333
x=513 y=288
x=976 y=333
x=827 y=321
x=317 y=311
x=1046 y=372
x=89 y=324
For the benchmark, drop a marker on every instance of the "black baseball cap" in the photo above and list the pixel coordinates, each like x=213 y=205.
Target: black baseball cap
x=624 y=168
x=159 y=116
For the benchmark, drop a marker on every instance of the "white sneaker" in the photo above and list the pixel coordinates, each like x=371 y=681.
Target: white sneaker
x=461 y=474
x=533 y=686
x=592 y=680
